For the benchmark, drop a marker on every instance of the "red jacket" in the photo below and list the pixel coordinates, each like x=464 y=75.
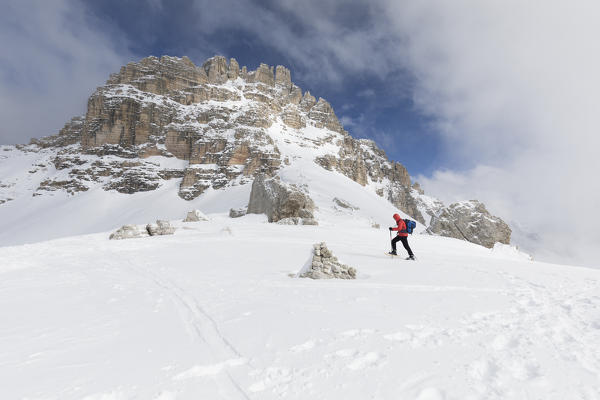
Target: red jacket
x=401 y=228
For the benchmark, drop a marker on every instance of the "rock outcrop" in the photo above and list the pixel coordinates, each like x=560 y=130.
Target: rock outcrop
x=170 y=107
x=343 y=204
x=279 y=201
x=324 y=265
x=471 y=221
x=363 y=162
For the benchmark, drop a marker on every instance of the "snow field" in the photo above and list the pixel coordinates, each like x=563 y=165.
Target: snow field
x=212 y=312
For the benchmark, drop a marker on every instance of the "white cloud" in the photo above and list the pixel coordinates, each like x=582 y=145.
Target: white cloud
x=514 y=88
x=313 y=34
x=51 y=61
x=347 y=121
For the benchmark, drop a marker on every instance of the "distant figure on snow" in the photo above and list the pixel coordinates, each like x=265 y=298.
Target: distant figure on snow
x=402 y=236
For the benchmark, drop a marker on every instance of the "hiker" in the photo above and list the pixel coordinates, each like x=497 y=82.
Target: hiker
x=402 y=236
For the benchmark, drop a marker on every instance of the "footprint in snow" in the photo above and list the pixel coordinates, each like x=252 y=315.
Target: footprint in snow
x=357 y=333
x=273 y=377
x=303 y=347
x=502 y=342
x=431 y=394
x=346 y=353
x=368 y=360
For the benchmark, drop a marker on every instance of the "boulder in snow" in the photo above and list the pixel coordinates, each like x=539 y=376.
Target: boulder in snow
x=324 y=265
x=195 y=216
x=279 y=200
x=161 y=228
x=237 y=212
x=128 y=232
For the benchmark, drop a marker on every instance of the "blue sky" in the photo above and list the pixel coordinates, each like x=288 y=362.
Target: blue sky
x=492 y=100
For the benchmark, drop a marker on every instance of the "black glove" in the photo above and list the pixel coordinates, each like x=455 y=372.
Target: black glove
x=391 y=228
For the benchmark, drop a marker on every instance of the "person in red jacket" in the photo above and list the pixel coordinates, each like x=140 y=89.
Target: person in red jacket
x=402 y=236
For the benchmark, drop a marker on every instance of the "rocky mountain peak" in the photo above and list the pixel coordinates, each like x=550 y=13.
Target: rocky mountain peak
x=220 y=125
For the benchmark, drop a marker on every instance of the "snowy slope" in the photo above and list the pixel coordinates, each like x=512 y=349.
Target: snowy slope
x=30 y=219
x=30 y=216
x=212 y=313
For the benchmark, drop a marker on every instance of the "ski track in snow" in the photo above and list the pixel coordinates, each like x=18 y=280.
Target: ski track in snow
x=204 y=327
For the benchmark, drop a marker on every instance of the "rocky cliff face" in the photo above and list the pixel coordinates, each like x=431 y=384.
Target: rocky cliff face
x=209 y=127
x=213 y=116
x=471 y=221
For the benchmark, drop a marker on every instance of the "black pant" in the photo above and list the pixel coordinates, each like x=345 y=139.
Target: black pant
x=404 y=241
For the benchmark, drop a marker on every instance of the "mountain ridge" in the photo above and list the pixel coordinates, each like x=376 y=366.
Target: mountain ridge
x=224 y=125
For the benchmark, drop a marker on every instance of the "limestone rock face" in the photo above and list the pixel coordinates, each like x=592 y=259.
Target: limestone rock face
x=132 y=181
x=216 y=69
x=470 y=220
x=234 y=69
x=361 y=160
x=214 y=116
x=283 y=77
x=70 y=134
x=160 y=228
x=128 y=232
x=264 y=74
x=195 y=216
x=323 y=114
x=278 y=200
x=324 y=265
x=403 y=198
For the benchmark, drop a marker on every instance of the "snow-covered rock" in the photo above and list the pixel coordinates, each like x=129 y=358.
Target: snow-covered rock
x=128 y=232
x=160 y=228
x=195 y=216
